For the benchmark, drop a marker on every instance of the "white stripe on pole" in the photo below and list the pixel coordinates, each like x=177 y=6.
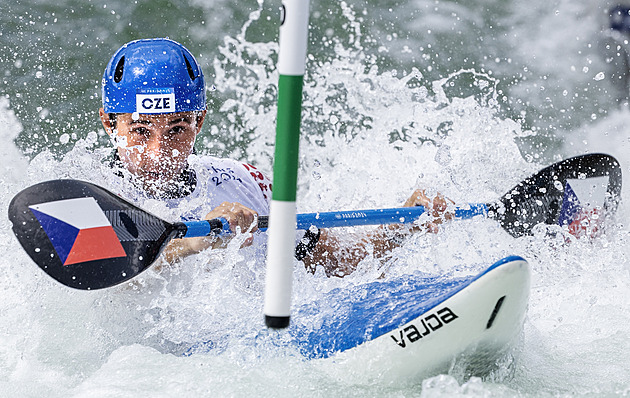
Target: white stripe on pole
x=279 y=280
x=293 y=37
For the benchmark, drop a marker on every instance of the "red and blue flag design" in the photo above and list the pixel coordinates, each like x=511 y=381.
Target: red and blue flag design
x=78 y=230
x=582 y=205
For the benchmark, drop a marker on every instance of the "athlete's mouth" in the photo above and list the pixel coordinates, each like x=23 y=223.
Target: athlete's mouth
x=154 y=175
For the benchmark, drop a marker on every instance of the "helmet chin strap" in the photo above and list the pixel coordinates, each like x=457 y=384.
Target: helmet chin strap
x=181 y=186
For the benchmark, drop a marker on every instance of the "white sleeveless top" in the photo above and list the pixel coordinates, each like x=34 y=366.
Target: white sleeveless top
x=221 y=180
x=224 y=180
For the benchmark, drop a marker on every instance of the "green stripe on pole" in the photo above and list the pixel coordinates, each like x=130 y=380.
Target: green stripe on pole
x=287 y=138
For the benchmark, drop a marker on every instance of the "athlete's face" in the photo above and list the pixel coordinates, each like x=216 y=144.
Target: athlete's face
x=155 y=147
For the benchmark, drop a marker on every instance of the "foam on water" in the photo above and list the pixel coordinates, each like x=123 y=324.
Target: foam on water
x=373 y=137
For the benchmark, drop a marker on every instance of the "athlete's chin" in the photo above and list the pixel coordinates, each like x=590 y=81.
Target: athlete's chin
x=155 y=180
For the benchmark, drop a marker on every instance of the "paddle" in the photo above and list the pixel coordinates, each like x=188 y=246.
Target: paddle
x=89 y=238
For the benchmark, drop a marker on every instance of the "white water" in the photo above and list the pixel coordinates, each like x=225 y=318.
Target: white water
x=119 y=342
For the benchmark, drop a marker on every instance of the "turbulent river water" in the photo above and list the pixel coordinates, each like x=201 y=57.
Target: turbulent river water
x=462 y=97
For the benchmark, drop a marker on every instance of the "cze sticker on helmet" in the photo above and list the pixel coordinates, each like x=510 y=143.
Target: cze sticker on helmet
x=156 y=100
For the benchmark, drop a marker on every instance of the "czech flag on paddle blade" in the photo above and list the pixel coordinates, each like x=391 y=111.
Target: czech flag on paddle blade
x=582 y=205
x=78 y=230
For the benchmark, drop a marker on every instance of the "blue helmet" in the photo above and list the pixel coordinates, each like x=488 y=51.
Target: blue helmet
x=153 y=76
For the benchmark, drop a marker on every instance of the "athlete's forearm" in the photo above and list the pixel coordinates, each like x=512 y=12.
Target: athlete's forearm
x=181 y=248
x=341 y=256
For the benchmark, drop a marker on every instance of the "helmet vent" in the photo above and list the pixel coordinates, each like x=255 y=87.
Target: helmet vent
x=118 y=73
x=191 y=72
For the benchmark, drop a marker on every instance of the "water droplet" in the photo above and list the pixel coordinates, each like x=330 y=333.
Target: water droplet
x=443 y=155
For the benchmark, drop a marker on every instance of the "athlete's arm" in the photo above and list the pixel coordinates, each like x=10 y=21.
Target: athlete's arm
x=240 y=218
x=341 y=254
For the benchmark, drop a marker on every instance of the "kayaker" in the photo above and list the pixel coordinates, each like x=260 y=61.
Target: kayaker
x=154 y=105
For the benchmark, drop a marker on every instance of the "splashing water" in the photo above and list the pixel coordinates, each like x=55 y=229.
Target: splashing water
x=371 y=136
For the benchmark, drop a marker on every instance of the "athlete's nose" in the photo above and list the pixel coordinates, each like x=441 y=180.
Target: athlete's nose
x=155 y=144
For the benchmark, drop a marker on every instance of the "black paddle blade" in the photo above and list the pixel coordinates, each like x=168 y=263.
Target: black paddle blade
x=83 y=235
x=575 y=192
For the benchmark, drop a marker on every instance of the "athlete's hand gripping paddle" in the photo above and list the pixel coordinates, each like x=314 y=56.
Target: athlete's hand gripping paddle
x=89 y=238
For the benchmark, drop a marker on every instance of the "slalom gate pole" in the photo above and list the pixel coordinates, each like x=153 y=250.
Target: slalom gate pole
x=282 y=215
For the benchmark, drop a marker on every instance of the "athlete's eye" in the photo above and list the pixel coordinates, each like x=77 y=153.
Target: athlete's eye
x=177 y=129
x=141 y=131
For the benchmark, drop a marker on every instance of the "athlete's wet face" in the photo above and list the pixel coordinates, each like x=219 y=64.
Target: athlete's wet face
x=155 y=147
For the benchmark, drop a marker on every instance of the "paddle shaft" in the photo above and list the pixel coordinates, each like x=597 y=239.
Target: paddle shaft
x=349 y=218
x=46 y=218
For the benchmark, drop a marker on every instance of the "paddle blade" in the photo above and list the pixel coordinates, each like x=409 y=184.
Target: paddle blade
x=578 y=193
x=83 y=235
